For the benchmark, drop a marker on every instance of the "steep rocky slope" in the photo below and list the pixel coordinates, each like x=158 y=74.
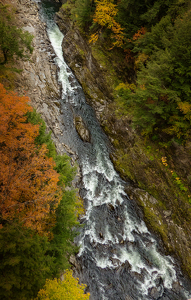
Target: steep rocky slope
x=145 y=165
x=38 y=78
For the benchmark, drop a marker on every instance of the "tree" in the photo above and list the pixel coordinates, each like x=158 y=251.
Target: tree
x=82 y=13
x=42 y=138
x=13 y=41
x=32 y=193
x=64 y=231
x=29 y=188
x=161 y=101
x=68 y=289
x=61 y=245
x=25 y=264
x=104 y=15
x=134 y=14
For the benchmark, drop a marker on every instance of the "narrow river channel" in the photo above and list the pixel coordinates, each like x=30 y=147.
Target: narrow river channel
x=120 y=259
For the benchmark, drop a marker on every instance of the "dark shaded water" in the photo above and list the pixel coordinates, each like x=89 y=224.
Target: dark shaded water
x=119 y=257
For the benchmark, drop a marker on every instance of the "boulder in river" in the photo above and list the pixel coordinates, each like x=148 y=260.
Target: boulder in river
x=82 y=129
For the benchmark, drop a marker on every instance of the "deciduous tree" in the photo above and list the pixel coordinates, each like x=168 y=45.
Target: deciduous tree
x=104 y=15
x=68 y=289
x=28 y=181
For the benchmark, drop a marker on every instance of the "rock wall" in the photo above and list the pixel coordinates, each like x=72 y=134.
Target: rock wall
x=89 y=72
x=38 y=78
x=166 y=208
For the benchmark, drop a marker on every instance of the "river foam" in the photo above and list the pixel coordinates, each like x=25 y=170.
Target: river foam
x=120 y=259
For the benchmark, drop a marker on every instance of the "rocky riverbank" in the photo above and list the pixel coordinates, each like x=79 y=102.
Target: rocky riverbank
x=38 y=79
x=166 y=207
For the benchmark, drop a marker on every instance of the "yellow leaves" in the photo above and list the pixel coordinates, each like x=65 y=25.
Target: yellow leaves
x=93 y=38
x=68 y=289
x=120 y=86
x=125 y=86
x=104 y=13
x=104 y=16
x=185 y=108
x=79 y=206
x=175 y=176
x=142 y=58
x=164 y=161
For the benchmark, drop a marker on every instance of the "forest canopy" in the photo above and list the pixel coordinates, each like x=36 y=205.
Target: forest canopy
x=39 y=206
x=155 y=36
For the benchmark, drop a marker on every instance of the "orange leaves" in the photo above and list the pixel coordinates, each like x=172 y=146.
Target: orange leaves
x=12 y=115
x=104 y=16
x=28 y=181
x=128 y=56
x=139 y=33
x=164 y=98
x=149 y=99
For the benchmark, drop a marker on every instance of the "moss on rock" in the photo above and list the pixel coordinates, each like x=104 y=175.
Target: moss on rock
x=165 y=205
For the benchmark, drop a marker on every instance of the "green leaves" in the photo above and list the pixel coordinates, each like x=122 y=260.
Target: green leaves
x=43 y=137
x=61 y=246
x=24 y=263
x=28 y=258
x=83 y=13
x=164 y=80
x=13 y=41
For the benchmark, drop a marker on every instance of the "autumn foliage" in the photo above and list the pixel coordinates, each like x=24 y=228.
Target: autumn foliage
x=68 y=289
x=28 y=181
x=139 y=33
x=38 y=205
x=105 y=16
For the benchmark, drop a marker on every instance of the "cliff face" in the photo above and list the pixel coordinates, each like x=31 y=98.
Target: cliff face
x=147 y=167
x=38 y=78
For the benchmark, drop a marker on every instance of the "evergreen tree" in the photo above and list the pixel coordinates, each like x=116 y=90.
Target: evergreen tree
x=61 y=246
x=13 y=41
x=82 y=13
x=161 y=100
x=24 y=263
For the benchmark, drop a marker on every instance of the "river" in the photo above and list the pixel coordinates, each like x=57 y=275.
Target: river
x=120 y=259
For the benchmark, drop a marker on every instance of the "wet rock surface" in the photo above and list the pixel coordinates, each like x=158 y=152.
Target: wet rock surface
x=166 y=217
x=89 y=73
x=82 y=129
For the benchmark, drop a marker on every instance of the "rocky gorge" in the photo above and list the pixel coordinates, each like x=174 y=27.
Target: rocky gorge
x=166 y=211
x=148 y=180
